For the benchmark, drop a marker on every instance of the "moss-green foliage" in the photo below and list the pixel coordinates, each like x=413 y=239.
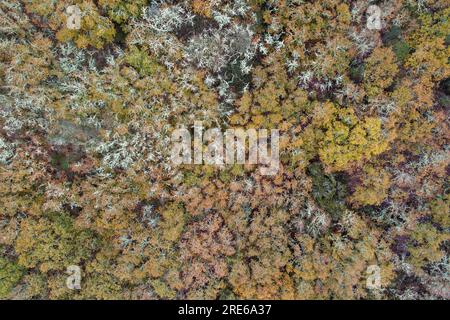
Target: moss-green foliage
x=425 y=246
x=142 y=62
x=427 y=240
x=60 y=161
x=173 y=220
x=52 y=242
x=341 y=139
x=439 y=211
x=86 y=178
x=10 y=275
x=96 y=30
x=121 y=11
x=401 y=49
x=399 y=45
x=380 y=70
x=162 y=289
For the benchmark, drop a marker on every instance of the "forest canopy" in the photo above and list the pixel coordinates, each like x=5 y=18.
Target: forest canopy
x=91 y=92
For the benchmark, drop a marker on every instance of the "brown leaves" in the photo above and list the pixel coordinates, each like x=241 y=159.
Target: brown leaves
x=204 y=248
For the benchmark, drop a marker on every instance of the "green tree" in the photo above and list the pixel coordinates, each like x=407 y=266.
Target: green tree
x=52 y=242
x=10 y=275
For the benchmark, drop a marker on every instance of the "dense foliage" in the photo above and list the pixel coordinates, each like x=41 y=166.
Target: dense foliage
x=86 y=117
